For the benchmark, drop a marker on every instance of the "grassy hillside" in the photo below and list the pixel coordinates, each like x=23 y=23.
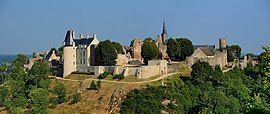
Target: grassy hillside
x=99 y=102
x=111 y=94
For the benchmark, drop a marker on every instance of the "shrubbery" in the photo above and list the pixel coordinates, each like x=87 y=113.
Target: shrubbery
x=118 y=76
x=61 y=92
x=103 y=75
x=93 y=86
x=76 y=97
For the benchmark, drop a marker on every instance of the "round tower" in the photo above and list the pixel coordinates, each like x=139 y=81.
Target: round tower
x=69 y=53
x=222 y=43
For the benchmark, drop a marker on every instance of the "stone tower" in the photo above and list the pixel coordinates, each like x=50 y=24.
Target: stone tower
x=164 y=33
x=222 y=43
x=69 y=53
x=136 y=49
x=222 y=46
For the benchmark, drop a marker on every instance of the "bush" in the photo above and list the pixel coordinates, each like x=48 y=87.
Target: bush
x=53 y=102
x=98 y=84
x=3 y=94
x=17 y=110
x=93 y=86
x=80 y=72
x=76 y=97
x=7 y=103
x=118 y=76
x=103 y=75
x=61 y=92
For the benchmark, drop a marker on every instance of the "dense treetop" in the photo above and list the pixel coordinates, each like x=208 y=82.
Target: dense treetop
x=149 y=51
x=105 y=54
x=180 y=48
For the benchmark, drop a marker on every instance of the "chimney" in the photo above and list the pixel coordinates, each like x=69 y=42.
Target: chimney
x=94 y=36
x=87 y=36
x=81 y=36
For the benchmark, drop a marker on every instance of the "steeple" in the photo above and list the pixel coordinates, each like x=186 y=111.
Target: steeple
x=164 y=33
x=164 y=27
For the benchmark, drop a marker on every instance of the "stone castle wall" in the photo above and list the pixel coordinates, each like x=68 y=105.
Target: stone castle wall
x=154 y=68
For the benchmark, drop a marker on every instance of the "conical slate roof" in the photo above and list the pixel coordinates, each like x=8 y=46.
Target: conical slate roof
x=69 y=38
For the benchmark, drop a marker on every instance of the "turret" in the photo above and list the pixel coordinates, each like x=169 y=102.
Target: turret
x=69 y=53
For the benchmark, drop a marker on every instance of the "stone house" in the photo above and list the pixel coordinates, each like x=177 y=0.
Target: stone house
x=209 y=54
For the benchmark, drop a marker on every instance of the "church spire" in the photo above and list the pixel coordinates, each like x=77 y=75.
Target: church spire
x=164 y=28
x=164 y=33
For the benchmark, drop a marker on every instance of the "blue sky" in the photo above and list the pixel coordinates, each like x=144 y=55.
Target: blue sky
x=34 y=25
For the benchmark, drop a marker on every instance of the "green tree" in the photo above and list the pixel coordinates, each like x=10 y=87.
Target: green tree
x=201 y=72
x=40 y=68
x=149 y=51
x=264 y=69
x=3 y=67
x=7 y=103
x=173 y=49
x=230 y=56
x=265 y=62
x=105 y=54
x=60 y=49
x=233 y=52
x=103 y=75
x=19 y=101
x=186 y=48
x=118 y=47
x=93 y=86
x=76 y=97
x=148 y=39
x=17 y=110
x=38 y=75
x=98 y=84
x=3 y=94
x=236 y=50
x=61 y=91
x=38 y=101
x=180 y=48
x=20 y=60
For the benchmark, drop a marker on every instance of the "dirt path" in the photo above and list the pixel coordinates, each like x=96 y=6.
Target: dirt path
x=122 y=82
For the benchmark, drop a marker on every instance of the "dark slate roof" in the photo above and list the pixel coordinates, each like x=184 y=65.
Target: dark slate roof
x=69 y=38
x=47 y=57
x=83 y=41
x=211 y=47
x=207 y=51
x=135 y=62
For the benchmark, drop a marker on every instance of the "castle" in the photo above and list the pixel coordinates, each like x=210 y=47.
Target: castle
x=78 y=55
x=78 y=52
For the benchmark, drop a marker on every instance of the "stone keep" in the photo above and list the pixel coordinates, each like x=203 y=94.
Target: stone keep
x=136 y=49
x=222 y=43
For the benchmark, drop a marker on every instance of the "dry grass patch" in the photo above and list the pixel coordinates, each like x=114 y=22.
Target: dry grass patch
x=92 y=102
x=80 y=76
